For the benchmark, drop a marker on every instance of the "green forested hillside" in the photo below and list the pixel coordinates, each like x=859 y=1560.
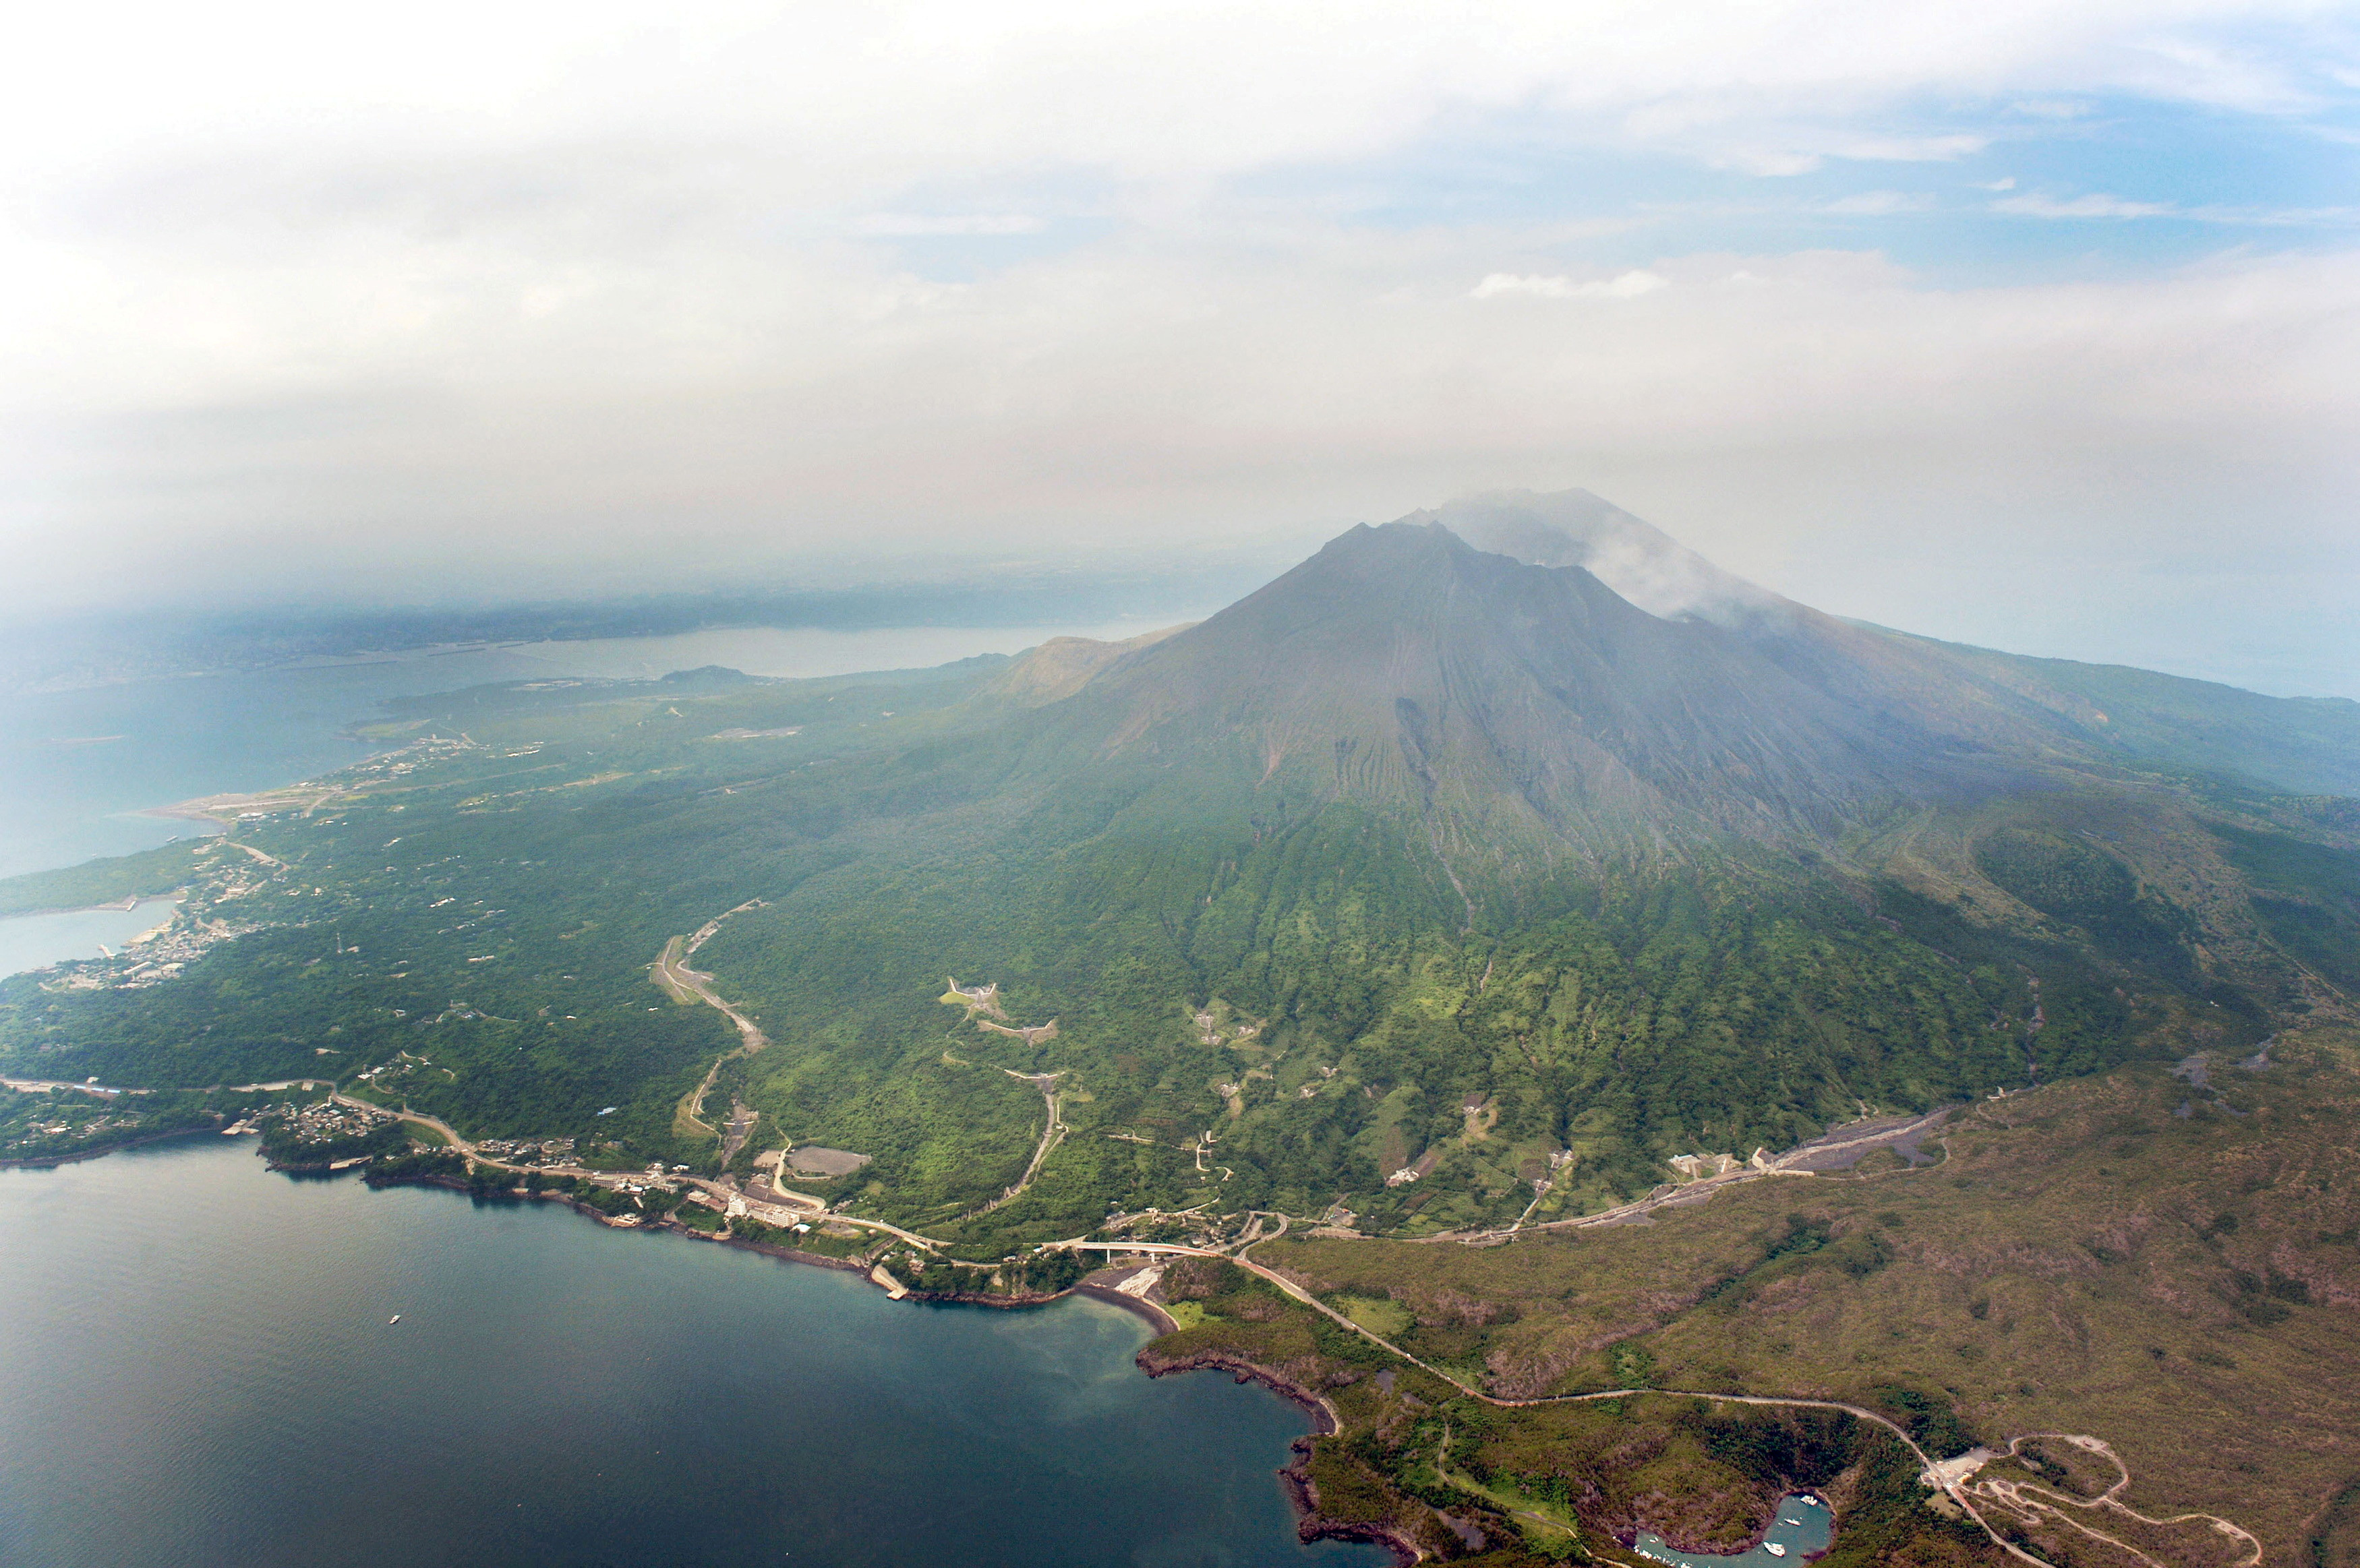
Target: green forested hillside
x=1424 y=886
x=2301 y=744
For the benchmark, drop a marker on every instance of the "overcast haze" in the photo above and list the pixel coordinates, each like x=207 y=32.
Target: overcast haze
x=2030 y=324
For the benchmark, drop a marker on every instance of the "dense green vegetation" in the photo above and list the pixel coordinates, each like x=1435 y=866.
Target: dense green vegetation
x=42 y=1125
x=474 y=936
x=101 y=881
x=1426 y=974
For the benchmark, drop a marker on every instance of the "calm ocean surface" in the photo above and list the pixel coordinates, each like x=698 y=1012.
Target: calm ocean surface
x=198 y=1370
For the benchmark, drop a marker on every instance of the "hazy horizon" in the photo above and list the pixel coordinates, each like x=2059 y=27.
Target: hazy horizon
x=2026 y=326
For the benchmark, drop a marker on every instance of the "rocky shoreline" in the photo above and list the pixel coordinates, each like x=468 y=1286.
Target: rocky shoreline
x=1311 y=1524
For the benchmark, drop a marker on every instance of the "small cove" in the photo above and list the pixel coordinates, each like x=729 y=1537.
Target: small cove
x=30 y=942
x=1803 y=1527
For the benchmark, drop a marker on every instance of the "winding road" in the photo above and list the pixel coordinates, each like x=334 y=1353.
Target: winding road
x=1954 y=1477
x=683 y=984
x=1949 y=1475
x=2031 y=1501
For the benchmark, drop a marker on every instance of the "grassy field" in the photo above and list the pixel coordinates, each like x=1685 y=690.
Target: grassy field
x=2171 y=1268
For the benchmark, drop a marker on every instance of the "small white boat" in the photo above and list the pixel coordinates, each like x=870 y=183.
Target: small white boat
x=393 y=1320
x=1773 y=1549
x=1811 y=1502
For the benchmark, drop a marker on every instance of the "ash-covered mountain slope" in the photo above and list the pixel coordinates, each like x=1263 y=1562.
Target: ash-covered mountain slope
x=1552 y=666
x=2302 y=745
x=1528 y=729
x=1402 y=668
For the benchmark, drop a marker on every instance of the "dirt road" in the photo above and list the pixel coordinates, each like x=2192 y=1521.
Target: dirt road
x=2033 y=1502
x=685 y=984
x=1051 y=1136
x=1951 y=1479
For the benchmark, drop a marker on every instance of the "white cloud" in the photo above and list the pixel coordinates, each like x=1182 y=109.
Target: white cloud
x=892 y=225
x=1913 y=149
x=2034 y=204
x=1879 y=204
x=1623 y=286
x=1771 y=163
x=898 y=92
x=2037 y=205
x=289 y=291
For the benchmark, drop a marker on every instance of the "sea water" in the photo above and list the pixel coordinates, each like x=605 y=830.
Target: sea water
x=200 y=1370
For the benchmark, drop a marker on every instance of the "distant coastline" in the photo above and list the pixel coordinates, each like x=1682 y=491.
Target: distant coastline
x=188 y=812
x=121 y=906
x=49 y=1161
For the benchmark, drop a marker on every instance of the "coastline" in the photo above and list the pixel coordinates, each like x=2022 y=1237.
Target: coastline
x=1294 y=1477
x=49 y=1161
x=1157 y=1364
x=121 y=906
x=189 y=812
x=1310 y=1523
x=1161 y=1321
x=1155 y=1316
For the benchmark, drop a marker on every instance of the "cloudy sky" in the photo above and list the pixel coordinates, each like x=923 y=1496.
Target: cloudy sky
x=2034 y=322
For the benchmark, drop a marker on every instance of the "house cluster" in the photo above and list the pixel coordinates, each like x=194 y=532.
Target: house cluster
x=412 y=758
x=1210 y=1032
x=403 y=1063
x=36 y=1133
x=150 y=961
x=527 y=1151
x=327 y=1120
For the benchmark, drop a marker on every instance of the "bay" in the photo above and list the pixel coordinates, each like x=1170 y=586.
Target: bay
x=29 y=941
x=201 y=1371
